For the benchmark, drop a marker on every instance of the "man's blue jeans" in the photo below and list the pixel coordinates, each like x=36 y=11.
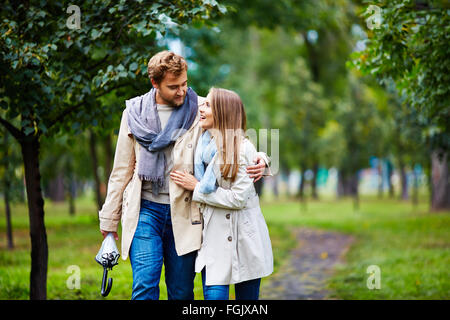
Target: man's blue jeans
x=247 y=290
x=153 y=243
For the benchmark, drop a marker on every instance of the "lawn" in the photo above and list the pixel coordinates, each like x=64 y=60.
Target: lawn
x=409 y=244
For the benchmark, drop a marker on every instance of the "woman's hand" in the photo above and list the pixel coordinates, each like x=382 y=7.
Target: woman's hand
x=184 y=179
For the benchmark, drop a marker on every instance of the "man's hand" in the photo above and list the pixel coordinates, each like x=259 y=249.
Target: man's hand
x=105 y=233
x=258 y=169
x=184 y=179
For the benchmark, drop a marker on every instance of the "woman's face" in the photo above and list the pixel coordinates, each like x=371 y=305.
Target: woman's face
x=206 y=115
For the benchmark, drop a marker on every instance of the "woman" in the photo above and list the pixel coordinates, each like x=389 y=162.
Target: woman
x=236 y=247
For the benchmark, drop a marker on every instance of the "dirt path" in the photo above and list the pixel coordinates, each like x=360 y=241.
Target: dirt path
x=309 y=267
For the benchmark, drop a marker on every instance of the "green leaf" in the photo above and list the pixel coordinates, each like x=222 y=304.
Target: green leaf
x=95 y=34
x=133 y=66
x=28 y=130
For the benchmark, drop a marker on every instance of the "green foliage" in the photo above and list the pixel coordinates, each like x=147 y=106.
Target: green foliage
x=293 y=81
x=411 y=48
x=52 y=75
x=11 y=173
x=364 y=128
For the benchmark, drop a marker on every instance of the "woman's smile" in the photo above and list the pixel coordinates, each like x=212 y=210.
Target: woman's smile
x=206 y=115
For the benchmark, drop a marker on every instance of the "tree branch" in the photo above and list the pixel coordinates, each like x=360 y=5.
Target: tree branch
x=16 y=133
x=74 y=108
x=116 y=41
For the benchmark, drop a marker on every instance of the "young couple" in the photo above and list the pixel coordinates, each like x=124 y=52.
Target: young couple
x=182 y=186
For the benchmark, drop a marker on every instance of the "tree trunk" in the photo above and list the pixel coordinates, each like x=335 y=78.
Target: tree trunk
x=56 y=188
x=314 y=181
x=354 y=190
x=7 y=184
x=345 y=187
x=440 y=186
x=92 y=148
x=380 y=179
x=403 y=181
x=109 y=156
x=340 y=192
x=348 y=186
x=71 y=194
x=39 y=247
x=9 y=234
x=301 y=189
x=390 y=172
x=415 y=191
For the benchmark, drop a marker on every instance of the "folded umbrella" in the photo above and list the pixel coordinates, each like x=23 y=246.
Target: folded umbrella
x=108 y=257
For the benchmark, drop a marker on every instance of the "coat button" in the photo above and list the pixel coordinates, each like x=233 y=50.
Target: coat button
x=190 y=145
x=228 y=216
x=186 y=199
x=229 y=238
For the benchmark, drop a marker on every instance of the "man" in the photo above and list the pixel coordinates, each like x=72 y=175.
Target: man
x=158 y=133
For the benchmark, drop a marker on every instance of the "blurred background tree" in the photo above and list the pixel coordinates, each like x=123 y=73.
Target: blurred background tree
x=410 y=47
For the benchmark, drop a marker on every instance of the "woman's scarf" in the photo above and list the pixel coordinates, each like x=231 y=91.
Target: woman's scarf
x=203 y=168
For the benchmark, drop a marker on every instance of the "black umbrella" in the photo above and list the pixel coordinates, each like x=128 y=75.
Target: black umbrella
x=108 y=257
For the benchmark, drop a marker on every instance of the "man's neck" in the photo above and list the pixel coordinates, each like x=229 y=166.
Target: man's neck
x=160 y=100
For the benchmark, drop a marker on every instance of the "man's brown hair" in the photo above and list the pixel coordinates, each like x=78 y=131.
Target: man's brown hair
x=165 y=61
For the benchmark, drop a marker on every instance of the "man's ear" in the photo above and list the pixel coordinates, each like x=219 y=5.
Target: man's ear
x=154 y=83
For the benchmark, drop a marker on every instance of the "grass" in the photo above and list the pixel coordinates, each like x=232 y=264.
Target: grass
x=410 y=245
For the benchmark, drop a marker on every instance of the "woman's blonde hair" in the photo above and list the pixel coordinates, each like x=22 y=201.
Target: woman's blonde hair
x=230 y=124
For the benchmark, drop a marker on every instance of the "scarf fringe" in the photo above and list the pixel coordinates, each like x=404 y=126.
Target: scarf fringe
x=158 y=180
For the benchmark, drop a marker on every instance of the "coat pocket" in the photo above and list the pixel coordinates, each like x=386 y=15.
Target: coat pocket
x=125 y=199
x=247 y=223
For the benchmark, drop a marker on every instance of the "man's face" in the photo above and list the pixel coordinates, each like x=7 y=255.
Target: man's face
x=172 y=89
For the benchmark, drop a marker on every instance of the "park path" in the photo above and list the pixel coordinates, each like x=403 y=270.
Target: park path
x=311 y=263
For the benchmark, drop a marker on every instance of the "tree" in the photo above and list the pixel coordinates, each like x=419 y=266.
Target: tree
x=12 y=184
x=362 y=129
x=291 y=73
x=54 y=71
x=410 y=47
x=324 y=27
x=406 y=143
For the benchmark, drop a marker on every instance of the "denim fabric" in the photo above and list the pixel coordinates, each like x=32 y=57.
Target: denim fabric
x=153 y=243
x=247 y=290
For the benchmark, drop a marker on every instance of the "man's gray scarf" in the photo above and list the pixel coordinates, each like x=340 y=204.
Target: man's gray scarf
x=145 y=125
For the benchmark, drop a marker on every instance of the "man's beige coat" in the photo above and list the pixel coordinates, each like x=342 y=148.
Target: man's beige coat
x=123 y=197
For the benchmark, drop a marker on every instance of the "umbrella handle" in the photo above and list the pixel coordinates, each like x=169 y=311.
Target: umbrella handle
x=106 y=289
